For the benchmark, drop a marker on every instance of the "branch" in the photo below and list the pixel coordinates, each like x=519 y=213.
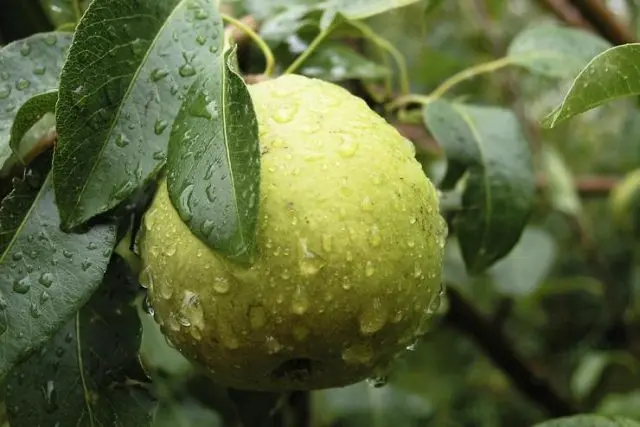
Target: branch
x=604 y=21
x=463 y=316
x=567 y=13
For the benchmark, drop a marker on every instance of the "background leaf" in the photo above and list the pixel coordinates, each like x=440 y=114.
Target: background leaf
x=337 y=62
x=611 y=75
x=555 y=51
x=119 y=94
x=29 y=114
x=214 y=162
x=589 y=421
x=488 y=145
x=88 y=374
x=28 y=67
x=45 y=275
x=359 y=9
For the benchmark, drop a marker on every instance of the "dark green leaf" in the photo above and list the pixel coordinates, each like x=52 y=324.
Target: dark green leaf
x=28 y=115
x=431 y=6
x=89 y=373
x=336 y=62
x=489 y=146
x=627 y=405
x=214 y=162
x=45 y=274
x=611 y=75
x=359 y=9
x=61 y=12
x=555 y=51
x=28 y=68
x=119 y=94
x=589 y=421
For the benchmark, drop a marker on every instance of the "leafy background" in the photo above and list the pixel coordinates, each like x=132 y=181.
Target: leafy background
x=554 y=328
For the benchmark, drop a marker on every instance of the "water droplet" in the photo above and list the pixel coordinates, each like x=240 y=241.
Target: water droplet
x=25 y=49
x=412 y=220
x=257 y=316
x=34 y=310
x=60 y=351
x=160 y=126
x=22 y=286
x=22 y=84
x=5 y=91
x=46 y=280
x=214 y=48
x=201 y=14
x=173 y=89
x=50 y=396
x=138 y=47
x=191 y=313
x=299 y=301
x=357 y=354
x=171 y=249
x=369 y=269
x=185 y=203
x=68 y=338
x=366 y=204
x=51 y=39
x=373 y=317
x=122 y=140
x=159 y=155
x=374 y=236
x=201 y=40
x=221 y=285
x=285 y=114
x=86 y=264
x=17 y=256
x=39 y=70
x=272 y=344
x=348 y=147
x=378 y=381
x=159 y=74
x=186 y=70
x=44 y=297
x=67 y=254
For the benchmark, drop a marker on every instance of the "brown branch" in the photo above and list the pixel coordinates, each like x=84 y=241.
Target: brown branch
x=604 y=21
x=567 y=13
x=464 y=317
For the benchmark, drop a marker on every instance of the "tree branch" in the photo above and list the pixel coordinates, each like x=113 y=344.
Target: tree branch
x=604 y=21
x=567 y=13
x=464 y=316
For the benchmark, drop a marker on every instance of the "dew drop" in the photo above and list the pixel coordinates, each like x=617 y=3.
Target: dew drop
x=201 y=40
x=348 y=147
x=44 y=297
x=122 y=141
x=378 y=381
x=221 y=285
x=185 y=203
x=86 y=264
x=366 y=204
x=201 y=14
x=160 y=126
x=50 y=395
x=46 y=280
x=186 y=70
x=285 y=114
x=357 y=354
x=273 y=345
x=22 y=286
x=5 y=91
x=67 y=254
x=39 y=70
x=25 y=49
x=22 y=84
x=373 y=317
x=159 y=74
x=51 y=39
x=17 y=256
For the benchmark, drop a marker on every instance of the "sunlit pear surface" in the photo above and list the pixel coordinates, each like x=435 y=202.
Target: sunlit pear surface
x=349 y=251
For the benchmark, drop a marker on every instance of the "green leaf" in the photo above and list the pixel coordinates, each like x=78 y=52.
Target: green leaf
x=488 y=145
x=214 y=162
x=336 y=62
x=61 y=12
x=45 y=275
x=527 y=265
x=188 y=413
x=554 y=51
x=29 y=114
x=28 y=68
x=119 y=94
x=359 y=9
x=627 y=405
x=589 y=421
x=591 y=368
x=89 y=373
x=611 y=75
x=279 y=27
x=560 y=187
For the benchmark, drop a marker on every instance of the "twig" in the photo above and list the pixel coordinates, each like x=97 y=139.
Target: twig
x=567 y=13
x=604 y=21
x=464 y=316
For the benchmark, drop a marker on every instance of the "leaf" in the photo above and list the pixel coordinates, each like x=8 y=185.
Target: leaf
x=89 y=373
x=589 y=421
x=489 y=146
x=119 y=94
x=29 y=114
x=255 y=408
x=214 y=162
x=527 y=265
x=189 y=413
x=28 y=68
x=336 y=62
x=61 y=12
x=591 y=368
x=627 y=405
x=45 y=275
x=277 y=28
x=359 y=9
x=560 y=184
x=554 y=51
x=611 y=75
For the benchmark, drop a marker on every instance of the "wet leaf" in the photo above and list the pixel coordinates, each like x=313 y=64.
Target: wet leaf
x=61 y=12
x=28 y=115
x=359 y=9
x=89 y=373
x=214 y=162
x=119 y=94
x=612 y=75
x=28 y=68
x=589 y=421
x=45 y=275
x=555 y=51
x=561 y=187
x=486 y=145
